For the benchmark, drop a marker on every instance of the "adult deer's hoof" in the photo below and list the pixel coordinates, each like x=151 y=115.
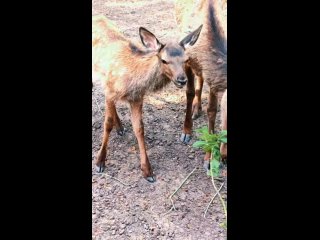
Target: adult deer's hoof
x=185 y=138
x=151 y=179
x=100 y=167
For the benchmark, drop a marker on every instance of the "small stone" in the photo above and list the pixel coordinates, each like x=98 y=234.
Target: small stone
x=121 y=231
x=113 y=232
x=156 y=233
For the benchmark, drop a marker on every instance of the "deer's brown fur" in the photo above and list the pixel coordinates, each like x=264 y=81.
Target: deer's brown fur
x=128 y=71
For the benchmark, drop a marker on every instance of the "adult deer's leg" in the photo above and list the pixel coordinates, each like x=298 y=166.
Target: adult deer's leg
x=138 y=128
x=187 y=127
x=108 y=125
x=196 y=105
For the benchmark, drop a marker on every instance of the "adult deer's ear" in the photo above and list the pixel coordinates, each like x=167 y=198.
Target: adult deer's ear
x=149 y=40
x=191 y=39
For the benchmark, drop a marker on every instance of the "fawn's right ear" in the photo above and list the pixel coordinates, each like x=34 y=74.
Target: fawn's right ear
x=191 y=39
x=149 y=40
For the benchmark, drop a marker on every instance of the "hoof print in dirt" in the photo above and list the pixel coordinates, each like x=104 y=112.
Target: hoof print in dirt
x=121 y=131
x=100 y=167
x=185 y=138
x=151 y=179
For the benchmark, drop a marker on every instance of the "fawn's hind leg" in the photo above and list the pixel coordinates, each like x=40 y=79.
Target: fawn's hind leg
x=117 y=123
x=196 y=105
x=211 y=112
x=138 y=128
x=108 y=125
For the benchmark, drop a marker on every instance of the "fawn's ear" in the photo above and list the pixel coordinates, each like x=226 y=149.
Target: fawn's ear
x=191 y=38
x=149 y=40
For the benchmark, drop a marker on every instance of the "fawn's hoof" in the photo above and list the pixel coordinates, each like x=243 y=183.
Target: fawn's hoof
x=185 y=138
x=100 y=167
x=196 y=112
x=151 y=179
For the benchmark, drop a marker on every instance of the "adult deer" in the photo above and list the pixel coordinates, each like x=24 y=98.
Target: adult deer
x=129 y=71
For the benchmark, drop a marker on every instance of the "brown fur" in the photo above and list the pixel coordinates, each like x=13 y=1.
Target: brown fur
x=128 y=71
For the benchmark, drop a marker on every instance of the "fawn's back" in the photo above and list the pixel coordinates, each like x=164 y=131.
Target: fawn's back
x=107 y=43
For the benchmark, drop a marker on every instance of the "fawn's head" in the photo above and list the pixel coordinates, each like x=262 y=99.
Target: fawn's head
x=172 y=56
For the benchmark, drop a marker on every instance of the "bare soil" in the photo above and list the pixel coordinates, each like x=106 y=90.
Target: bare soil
x=138 y=211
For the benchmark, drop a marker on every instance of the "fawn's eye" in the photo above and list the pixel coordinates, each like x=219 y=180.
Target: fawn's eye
x=186 y=60
x=163 y=61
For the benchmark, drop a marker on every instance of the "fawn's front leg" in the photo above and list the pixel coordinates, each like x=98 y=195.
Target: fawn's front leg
x=138 y=128
x=187 y=126
x=212 y=112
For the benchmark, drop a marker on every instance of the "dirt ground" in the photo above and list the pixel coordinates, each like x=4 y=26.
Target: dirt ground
x=136 y=209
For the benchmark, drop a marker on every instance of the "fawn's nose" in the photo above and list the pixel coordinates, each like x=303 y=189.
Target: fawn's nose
x=182 y=80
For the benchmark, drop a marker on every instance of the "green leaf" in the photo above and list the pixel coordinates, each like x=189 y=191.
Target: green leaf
x=223 y=133
x=199 y=144
x=224 y=140
x=223 y=225
x=215 y=167
x=206 y=148
x=202 y=130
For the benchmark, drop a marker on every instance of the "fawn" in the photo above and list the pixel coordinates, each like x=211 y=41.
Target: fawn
x=128 y=71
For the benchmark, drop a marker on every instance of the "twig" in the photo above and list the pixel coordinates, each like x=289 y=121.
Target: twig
x=215 y=188
x=212 y=200
x=125 y=184
x=173 y=207
x=98 y=106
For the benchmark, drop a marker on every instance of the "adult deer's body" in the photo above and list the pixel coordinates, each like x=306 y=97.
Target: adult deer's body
x=129 y=71
x=208 y=58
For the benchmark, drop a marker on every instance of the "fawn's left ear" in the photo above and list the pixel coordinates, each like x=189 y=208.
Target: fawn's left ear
x=191 y=39
x=149 y=40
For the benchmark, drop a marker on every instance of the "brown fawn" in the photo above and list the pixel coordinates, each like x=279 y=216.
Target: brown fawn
x=208 y=58
x=128 y=71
